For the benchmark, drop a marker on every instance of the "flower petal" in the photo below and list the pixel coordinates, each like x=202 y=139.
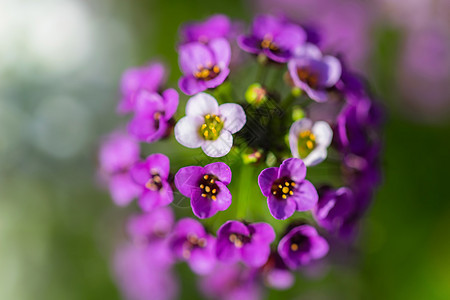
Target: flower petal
x=316 y=156
x=305 y=196
x=296 y=128
x=194 y=55
x=219 y=147
x=249 y=44
x=203 y=260
x=159 y=163
x=255 y=255
x=221 y=170
x=221 y=50
x=187 y=132
x=323 y=133
x=201 y=105
x=262 y=232
x=281 y=209
x=202 y=207
x=334 y=70
x=170 y=99
x=190 y=85
x=233 y=115
x=123 y=189
x=293 y=168
x=187 y=179
x=223 y=200
x=266 y=179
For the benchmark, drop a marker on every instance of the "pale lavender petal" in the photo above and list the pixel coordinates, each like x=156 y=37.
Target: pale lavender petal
x=170 y=98
x=334 y=70
x=140 y=173
x=233 y=115
x=159 y=164
x=201 y=105
x=123 y=189
x=219 y=147
x=193 y=56
x=221 y=50
x=187 y=132
x=191 y=85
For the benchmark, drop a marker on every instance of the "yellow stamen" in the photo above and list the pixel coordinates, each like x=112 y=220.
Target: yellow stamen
x=294 y=247
x=285 y=190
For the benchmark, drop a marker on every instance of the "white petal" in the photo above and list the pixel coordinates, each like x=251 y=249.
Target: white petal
x=316 y=156
x=334 y=69
x=308 y=50
x=219 y=147
x=201 y=105
x=187 y=132
x=233 y=116
x=296 y=128
x=323 y=133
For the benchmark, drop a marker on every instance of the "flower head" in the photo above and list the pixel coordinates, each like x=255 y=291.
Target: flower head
x=216 y=26
x=204 y=66
x=273 y=37
x=153 y=114
x=248 y=243
x=309 y=141
x=286 y=188
x=313 y=72
x=207 y=188
x=117 y=154
x=149 y=78
x=231 y=282
x=301 y=246
x=152 y=175
x=190 y=242
x=209 y=125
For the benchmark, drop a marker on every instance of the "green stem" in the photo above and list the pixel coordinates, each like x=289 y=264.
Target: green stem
x=245 y=182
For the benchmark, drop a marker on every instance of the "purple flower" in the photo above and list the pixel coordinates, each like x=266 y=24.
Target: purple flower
x=204 y=66
x=313 y=72
x=190 y=242
x=301 y=246
x=141 y=277
x=276 y=274
x=209 y=125
x=207 y=188
x=333 y=208
x=286 y=188
x=248 y=243
x=309 y=141
x=148 y=78
x=152 y=175
x=153 y=114
x=216 y=26
x=274 y=37
x=231 y=282
x=117 y=154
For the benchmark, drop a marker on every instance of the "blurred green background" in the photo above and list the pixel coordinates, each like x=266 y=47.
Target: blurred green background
x=60 y=63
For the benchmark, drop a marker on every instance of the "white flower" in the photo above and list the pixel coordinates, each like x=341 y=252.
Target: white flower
x=309 y=141
x=209 y=125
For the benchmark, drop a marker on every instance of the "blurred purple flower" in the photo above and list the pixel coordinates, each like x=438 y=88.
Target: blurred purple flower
x=286 y=189
x=190 y=242
x=231 y=282
x=117 y=154
x=141 y=277
x=149 y=78
x=274 y=37
x=206 y=187
x=313 y=72
x=216 y=26
x=276 y=274
x=334 y=206
x=209 y=125
x=248 y=243
x=153 y=114
x=301 y=246
x=204 y=66
x=152 y=175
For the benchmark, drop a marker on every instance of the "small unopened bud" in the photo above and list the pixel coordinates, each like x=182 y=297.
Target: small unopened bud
x=297 y=113
x=256 y=94
x=251 y=157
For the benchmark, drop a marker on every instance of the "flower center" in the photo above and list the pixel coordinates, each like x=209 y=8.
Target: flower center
x=267 y=43
x=300 y=242
x=157 y=118
x=309 y=77
x=238 y=239
x=306 y=143
x=155 y=182
x=207 y=73
x=192 y=241
x=282 y=188
x=209 y=187
x=210 y=130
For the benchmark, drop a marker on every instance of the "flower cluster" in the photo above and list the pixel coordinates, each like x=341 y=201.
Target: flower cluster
x=259 y=150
